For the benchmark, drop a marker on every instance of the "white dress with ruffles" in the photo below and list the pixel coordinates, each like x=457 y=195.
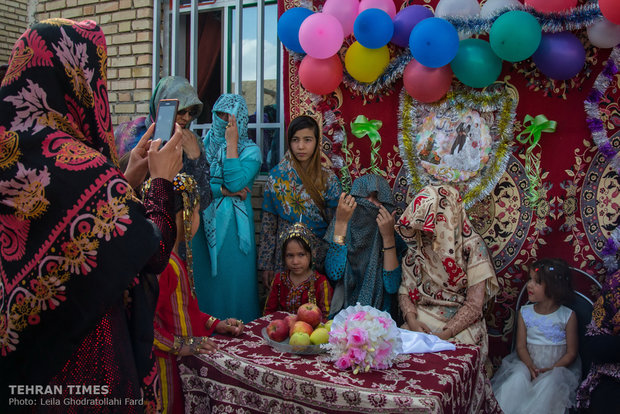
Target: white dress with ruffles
x=551 y=392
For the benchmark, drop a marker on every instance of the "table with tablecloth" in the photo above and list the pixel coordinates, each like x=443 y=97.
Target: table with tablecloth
x=246 y=375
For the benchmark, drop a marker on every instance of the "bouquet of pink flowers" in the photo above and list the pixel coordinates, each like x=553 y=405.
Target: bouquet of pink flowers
x=362 y=337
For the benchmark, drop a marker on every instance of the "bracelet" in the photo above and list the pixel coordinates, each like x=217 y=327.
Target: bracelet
x=211 y=321
x=388 y=248
x=194 y=344
x=176 y=346
x=339 y=240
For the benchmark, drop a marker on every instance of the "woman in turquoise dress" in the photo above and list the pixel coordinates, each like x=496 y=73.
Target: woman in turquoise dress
x=224 y=250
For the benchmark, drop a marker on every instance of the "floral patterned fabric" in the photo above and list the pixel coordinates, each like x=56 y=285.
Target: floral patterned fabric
x=248 y=376
x=73 y=234
x=445 y=260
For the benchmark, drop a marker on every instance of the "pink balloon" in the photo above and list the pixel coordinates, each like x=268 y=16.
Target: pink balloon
x=343 y=10
x=385 y=5
x=320 y=76
x=426 y=84
x=320 y=35
x=547 y=6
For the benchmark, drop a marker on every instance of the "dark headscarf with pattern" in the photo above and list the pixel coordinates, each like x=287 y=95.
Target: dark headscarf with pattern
x=73 y=234
x=363 y=274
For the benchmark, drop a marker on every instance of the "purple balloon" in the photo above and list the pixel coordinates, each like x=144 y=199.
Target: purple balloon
x=559 y=56
x=405 y=20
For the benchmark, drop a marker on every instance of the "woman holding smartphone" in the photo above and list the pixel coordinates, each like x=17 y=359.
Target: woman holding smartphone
x=190 y=107
x=224 y=247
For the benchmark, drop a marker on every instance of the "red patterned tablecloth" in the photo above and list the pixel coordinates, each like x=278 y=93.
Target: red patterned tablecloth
x=248 y=376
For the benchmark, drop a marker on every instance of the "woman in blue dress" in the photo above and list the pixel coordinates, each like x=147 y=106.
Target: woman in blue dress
x=224 y=249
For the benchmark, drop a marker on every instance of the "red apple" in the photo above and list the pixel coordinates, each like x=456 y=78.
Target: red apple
x=309 y=313
x=301 y=326
x=278 y=330
x=290 y=319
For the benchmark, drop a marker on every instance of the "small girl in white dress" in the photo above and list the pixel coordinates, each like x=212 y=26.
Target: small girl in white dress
x=543 y=374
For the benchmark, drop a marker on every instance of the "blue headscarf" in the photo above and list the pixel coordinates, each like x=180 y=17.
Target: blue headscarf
x=363 y=274
x=223 y=209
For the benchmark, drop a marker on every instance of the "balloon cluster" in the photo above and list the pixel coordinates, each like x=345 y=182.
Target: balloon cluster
x=437 y=48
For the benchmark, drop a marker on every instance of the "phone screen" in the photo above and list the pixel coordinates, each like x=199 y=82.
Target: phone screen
x=166 y=116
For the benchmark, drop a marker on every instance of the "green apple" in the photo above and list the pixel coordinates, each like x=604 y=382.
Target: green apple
x=319 y=336
x=328 y=325
x=299 y=339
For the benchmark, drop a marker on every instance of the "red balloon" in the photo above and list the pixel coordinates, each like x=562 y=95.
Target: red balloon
x=320 y=76
x=426 y=84
x=547 y=6
x=610 y=9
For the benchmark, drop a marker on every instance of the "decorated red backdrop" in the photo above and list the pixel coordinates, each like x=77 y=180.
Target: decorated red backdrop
x=580 y=189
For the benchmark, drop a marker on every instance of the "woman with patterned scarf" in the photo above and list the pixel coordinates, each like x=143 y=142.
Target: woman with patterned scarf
x=363 y=258
x=298 y=189
x=600 y=391
x=224 y=248
x=79 y=250
x=447 y=273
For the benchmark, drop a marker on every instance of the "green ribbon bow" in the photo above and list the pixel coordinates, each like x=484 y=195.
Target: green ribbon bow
x=363 y=126
x=537 y=125
x=534 y=127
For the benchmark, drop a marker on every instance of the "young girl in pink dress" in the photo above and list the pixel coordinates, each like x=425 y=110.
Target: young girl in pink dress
x=543 y=374
x=299 y=283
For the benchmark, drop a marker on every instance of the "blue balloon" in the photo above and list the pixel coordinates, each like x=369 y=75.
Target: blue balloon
x=434 y=42
x=288 y=27
x=373 y=28
x=406 y=20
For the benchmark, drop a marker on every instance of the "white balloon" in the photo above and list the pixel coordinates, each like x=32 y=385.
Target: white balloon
x=491 y=6
x=604 y=34
x=457 y=8
x=462 y=8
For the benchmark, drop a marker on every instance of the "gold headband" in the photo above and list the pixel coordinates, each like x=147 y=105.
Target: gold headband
x=298 y=229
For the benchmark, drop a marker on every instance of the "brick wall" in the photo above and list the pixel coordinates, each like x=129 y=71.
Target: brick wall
x=13 y=22
x=128 y=27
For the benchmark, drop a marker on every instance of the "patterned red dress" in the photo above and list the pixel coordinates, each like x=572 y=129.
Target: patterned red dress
x=177 y=315
x=284 y=296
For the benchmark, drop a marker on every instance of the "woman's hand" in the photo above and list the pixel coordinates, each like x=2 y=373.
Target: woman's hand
x=230 y=326
x=190 y=144
x=416 y=325
x=242 y=194
x=138 y=165
x=232 y=133
x=167 y=161
x=533 y=371
x=386 y=221
x=444 y=334
x=203 y=346
x=346 y=207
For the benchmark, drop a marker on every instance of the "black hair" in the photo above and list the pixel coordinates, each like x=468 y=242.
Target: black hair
x=557 y=277
x=303 y=122
x=302 y=242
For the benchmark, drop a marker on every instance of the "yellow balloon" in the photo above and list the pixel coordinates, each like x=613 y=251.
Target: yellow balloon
x=366 y=65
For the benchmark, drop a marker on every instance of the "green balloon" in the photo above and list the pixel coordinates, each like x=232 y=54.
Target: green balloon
x=475 y=63
x=515 y=36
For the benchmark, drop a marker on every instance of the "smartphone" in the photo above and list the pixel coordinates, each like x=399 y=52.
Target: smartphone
x=166 y=116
